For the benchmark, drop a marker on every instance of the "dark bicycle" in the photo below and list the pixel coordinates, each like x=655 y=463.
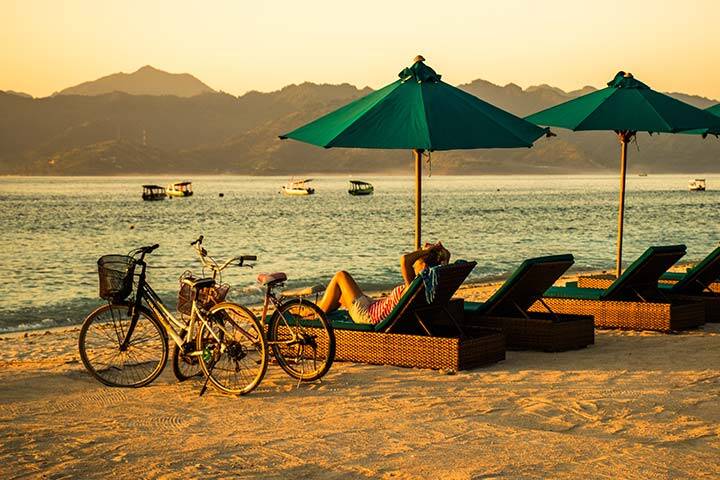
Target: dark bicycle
x=125 y=343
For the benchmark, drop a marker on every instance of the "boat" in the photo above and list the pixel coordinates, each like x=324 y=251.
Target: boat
x=358 y=187
x=642 y=174
x=697 y=185
x=153 y=192
x=298 y=187
x=179 y=189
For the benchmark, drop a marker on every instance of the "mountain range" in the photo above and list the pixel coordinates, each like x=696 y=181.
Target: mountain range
x=152 y=122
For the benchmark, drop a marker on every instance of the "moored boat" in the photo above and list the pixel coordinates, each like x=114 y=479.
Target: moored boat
x=298 y=187
x=153 y=192
x=358 y=187
x=697 y=185
x=179 y=189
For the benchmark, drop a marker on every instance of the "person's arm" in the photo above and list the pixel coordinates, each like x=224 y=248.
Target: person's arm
x=406 y=263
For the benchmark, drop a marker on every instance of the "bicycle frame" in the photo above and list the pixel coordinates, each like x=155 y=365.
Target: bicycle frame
x=164 y=316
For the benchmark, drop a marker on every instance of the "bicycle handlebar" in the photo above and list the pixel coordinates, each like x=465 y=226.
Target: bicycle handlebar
x=150 y=248
x=212 y=264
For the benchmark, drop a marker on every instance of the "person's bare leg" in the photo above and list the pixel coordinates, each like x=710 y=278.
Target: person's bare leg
x=341 y=291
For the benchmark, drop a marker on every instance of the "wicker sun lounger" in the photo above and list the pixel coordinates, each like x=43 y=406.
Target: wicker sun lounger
x=418 y=334
x=694 y=285
x=633 y=301
x=508 y=308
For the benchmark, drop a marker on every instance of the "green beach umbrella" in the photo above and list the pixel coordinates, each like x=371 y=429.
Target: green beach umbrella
x=626 y=106
x=419 y=112
x=715 y=110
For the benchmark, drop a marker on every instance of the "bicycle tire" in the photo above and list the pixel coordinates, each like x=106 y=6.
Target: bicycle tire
x=184 y=366
x=236 y=365
x=99 y=345
x=298 y=341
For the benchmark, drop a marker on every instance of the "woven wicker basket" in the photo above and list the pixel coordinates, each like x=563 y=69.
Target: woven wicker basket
x=207 y=299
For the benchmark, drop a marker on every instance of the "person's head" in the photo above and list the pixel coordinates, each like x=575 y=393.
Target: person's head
x=438 y=255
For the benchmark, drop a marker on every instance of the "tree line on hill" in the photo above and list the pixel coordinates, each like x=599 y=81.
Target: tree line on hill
x=154 y=122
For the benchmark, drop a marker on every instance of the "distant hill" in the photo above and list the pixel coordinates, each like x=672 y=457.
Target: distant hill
x=19 y=94
x=145 y=81
x=214 y=132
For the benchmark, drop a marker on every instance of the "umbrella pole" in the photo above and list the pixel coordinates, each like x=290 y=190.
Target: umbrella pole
x=417 y=153
x=624 y=138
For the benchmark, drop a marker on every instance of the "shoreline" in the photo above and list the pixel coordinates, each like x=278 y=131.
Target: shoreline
x=476 y=290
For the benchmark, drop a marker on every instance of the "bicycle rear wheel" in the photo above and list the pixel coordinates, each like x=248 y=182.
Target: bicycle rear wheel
x=302 y=339
x=233 y=349
x=101 y=336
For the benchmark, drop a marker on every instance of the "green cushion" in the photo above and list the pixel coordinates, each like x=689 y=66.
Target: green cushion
x=673 y=276
x=704 y=273
x=574 y=291
x=526 y=284
x=643 y=274
x=341 y=320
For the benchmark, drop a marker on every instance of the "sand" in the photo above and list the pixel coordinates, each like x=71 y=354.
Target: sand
x=634 y=405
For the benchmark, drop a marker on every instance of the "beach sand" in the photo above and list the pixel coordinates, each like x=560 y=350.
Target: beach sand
x=634 y=405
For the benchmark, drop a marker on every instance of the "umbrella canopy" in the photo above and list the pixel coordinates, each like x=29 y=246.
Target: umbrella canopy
x=626 y=106
x=419 y=112
x=715 y=110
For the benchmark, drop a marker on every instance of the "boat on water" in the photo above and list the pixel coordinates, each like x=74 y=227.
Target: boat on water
x=298 y=187
x=697 y=185
x=358 y=187
x=642 y=174
x=179 y=189
x=153 y=192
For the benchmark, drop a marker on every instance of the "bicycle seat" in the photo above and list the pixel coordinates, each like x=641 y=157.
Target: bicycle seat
x=198 y=283
x=271 y=278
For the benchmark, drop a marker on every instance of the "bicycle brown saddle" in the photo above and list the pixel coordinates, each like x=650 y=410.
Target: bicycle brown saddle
x=271 y=278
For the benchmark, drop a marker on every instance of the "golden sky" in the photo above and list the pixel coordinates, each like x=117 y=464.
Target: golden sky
x=237 y=45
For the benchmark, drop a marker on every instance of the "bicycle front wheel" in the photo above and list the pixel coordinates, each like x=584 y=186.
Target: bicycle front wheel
x=101 y=351
x=232 y=347
x=302 y=339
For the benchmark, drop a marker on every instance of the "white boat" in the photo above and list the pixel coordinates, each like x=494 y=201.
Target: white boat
x=697 y=185
x=179 y=189
x=298 y=187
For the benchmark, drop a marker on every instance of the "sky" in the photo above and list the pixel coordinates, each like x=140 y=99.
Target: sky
x=236 y=46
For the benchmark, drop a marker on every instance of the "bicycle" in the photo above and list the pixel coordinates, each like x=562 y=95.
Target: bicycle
x=298 y=332
x=125 y=343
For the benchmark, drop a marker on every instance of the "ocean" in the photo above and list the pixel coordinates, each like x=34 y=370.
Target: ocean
x=55 y=228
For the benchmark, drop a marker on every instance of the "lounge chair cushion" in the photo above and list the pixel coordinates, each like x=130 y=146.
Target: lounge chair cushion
x=642 y=276
x=527 y=283
x=704 y=273
x=571 y=290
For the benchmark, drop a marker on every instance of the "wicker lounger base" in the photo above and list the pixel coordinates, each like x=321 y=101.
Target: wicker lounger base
x=662 y=317
x=480 y=347
x=543 y=331
x=711 y=301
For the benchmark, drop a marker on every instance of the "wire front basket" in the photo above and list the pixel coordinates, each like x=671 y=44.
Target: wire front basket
x=207 y=299
x=115 y=274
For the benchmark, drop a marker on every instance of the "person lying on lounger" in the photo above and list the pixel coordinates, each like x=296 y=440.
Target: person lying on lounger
x=344 y=291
